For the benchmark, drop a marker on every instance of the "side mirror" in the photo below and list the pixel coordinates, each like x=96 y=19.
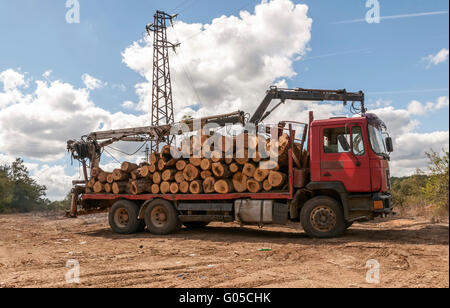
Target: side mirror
x=389 y=145
x=344 y=143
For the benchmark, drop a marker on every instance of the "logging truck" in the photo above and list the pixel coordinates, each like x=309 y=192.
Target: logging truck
x=326 y=175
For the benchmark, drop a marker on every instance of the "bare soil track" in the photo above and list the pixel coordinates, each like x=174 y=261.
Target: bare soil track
x=34 y=251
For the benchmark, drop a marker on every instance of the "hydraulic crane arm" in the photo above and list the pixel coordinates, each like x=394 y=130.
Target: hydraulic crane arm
x=304 y=95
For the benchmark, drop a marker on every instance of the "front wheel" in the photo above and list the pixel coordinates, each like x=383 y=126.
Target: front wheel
x=161 y=217
x=322 y=217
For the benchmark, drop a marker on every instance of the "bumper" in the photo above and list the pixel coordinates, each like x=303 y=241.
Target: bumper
x=383 y=203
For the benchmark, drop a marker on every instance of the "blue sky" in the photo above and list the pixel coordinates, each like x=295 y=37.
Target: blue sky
x=385 y=60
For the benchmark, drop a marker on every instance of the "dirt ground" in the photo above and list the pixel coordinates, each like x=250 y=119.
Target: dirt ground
x=34 y=251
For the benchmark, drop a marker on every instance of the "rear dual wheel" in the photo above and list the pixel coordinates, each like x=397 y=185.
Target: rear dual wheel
x=123 y=218
x=161 y=217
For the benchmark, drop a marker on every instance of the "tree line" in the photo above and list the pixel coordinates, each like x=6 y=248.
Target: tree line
x=19 y=193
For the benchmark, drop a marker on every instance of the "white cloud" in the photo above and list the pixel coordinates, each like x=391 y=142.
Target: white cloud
x=230 y=62
x=437 y=59
x=128 y=105
x=55 y=179
x=417 y=108
x=92 y=83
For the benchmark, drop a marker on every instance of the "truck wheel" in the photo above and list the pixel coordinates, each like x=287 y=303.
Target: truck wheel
x=161 y=218
x=195 y=224
x=322 y=217
x=123 y=217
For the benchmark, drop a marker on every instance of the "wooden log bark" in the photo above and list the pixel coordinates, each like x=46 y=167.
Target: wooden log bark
x=205 y=164
x=91 y=183
x=120 y=187
x=174 y=188
x=165 y=187
x=220 y=170
x=266 y=185
x=224 y=186
x=157 y=179
x=191 y=173
x=98 y=187
x=240 y=182
x=249 y=170
x=140 y=186
x=196 y=187
x=128 y=167
x=169 y=175
x=120 y=176
x=135 y=174
x=102 y=177
x=184 y=187
x=254 y=186
x=205 y=174
x=277 y=179
x=181 y=164
x=179 y=177
x=155 y=189
x=208 y=185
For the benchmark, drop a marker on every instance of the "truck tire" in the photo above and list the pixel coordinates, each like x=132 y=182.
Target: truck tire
x=123 y=217
x=322 y=217
x=161 y=218
x=195 y=224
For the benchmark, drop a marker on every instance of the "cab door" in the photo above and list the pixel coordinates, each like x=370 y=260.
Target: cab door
x=352 y=167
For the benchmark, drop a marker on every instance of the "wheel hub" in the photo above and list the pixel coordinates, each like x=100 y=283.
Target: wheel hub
x=121 y=218
x=323 y=218
x=159 y=216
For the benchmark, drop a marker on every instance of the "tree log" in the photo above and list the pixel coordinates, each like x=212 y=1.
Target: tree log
x=91 y=183
x=241 y=157
x=228 y=160
x=95 y=172
x=234 y=168
x=223 y=187
x=254 y=186
x=154 y=158
x=140 y=186
x=216 y=157
x=128 y=167
x=181 y=164
x=277 y=179
x=261 y=174
x=120 y=187
x=191 y=173
x=205 y=164
x=240 y=182
x=102 y=177
x=98 y=187
x=179 y=177
x=108 y=188
x=269 y=165
x=266 y=185
x=205 y=174
x=157 y=179
x=249 y=170
x=165 y=187
x=220 y=170
x=174 y=188
x=168 y=175
x=152 y=169
x=144 y=171
x=208 y=185
x=135 y=174
x=184 y=187
x=161 y=164
x=196 y=162
x=155 y=189
x=196 y=187
x=119 y=175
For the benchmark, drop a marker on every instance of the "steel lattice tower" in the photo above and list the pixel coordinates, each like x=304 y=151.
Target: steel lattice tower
x=162 y=103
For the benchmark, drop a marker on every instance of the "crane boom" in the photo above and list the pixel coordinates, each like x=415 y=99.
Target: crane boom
x=304 y=95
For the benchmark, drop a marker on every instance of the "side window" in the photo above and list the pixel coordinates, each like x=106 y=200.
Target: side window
x=330 y=139
x=358 y=141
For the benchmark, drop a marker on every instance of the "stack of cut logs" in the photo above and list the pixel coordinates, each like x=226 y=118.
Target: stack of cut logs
x=166 y=175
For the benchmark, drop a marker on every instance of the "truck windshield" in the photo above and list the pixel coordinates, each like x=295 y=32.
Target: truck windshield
x=376 y=140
